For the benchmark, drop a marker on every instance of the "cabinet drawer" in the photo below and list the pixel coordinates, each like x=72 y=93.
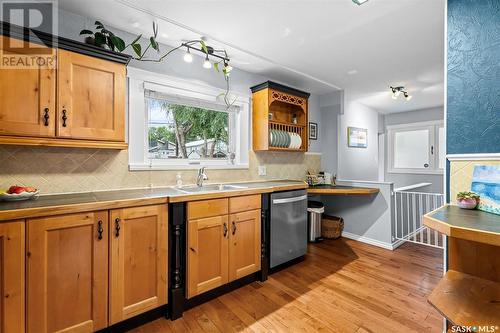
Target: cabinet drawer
x=247 y=202
x=207 y=208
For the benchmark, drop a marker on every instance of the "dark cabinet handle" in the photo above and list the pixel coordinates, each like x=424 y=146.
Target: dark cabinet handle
x=234 y=227
x=117 y=227
x=46 y=117
x=64 y=117
x=99 y=230
x=432 y=150
x=225 y=229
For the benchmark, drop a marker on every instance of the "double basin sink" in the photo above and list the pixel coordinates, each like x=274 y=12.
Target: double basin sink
x=210 y=188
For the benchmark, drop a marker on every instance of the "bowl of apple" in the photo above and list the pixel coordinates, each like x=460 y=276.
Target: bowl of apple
x=16 y=193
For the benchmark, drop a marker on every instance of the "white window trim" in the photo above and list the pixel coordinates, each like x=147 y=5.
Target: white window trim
x=433 y=126
x=138 y=143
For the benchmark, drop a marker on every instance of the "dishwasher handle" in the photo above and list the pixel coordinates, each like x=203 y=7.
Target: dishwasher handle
x=289 y=200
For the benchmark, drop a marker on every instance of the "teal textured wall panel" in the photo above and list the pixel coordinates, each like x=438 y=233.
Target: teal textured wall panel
x=473 y=103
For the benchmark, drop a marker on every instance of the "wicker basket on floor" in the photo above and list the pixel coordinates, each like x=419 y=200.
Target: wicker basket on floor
x=331 y=226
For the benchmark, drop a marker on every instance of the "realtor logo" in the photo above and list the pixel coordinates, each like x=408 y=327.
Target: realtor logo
x=31 y=25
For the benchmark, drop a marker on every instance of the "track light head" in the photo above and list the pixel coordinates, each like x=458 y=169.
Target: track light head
x=188 y=57
x=207 y=64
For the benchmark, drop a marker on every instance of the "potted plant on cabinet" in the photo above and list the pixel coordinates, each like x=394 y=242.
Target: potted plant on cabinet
x=467 y=200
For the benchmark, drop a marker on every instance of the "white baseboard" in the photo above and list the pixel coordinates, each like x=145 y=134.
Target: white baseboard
x=398 y=243
x=367 y=240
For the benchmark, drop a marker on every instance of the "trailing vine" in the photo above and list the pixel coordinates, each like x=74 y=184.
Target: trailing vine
x=103 y=37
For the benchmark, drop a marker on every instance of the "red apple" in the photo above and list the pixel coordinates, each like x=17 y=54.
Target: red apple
x=15 y=189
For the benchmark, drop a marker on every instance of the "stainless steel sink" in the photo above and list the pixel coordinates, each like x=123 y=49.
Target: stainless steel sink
x=210 y=188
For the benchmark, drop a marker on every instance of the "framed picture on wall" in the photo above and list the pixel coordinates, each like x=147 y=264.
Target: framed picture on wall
x=313 y=131
x=357 y=137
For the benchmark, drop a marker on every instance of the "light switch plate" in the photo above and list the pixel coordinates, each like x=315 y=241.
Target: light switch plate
x=262 y=170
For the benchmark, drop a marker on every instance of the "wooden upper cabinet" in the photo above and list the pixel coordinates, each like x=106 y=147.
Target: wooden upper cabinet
x=138 y=261
x=67 y=273
x=27 y=99
x=12 y=259
x=279 y=113
x=91 y=98
x=207 y=254
x=244 y=244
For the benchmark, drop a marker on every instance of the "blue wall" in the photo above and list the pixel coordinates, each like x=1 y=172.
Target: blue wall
x=473 y=113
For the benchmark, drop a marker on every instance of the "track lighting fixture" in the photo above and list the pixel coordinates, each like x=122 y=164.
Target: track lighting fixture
x=396 y=91
x=217 y=56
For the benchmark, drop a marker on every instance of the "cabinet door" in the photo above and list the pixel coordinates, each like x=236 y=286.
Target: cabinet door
x=67 y=273
x=26 y=97
x=91 y=98
x=12 y=260
x=244 y=244
x=138 y=261
x=207 y=254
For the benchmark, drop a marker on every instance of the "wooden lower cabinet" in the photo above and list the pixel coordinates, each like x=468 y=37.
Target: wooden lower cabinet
x=244 y=244
x=12 y=254
x=138 y=261
x=67 y=273
x=223 y=248
x=207 y=254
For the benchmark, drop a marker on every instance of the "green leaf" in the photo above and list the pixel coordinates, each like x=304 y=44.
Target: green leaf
x=155 y=29
x=154 y=44
x=110 y=43
x=216 y=66
x=136 y=39
x=118 y=43
x=137 y=49
x=204 y=46
x=100 y=39
x=98 y=25
x=86 y=32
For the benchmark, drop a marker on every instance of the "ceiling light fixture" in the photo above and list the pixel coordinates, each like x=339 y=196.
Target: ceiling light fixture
x=359 y=2
x=396 y=91
x=218 y=57
x=188 y=57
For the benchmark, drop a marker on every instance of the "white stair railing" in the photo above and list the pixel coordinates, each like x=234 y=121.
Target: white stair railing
x=409 y=208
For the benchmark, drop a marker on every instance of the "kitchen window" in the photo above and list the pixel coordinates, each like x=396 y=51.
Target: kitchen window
x=417 y=148
x=175 y=124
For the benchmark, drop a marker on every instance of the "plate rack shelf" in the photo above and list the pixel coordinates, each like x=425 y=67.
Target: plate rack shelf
x=276 y=107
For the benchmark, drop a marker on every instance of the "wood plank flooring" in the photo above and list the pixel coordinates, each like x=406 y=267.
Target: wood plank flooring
x=342 y=286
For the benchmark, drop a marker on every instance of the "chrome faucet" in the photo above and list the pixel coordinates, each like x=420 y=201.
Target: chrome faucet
x=201 y=177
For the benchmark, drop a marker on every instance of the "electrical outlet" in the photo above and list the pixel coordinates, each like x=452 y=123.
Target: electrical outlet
x=262 y=170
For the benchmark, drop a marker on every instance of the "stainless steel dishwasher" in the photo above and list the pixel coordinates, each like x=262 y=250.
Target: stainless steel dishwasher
x=288 y=226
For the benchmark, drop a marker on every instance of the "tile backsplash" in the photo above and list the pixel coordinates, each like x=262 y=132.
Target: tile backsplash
x=461 y=175
x=64 y=170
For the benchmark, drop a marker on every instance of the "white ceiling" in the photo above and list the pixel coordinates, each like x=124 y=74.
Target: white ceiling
x=316 y=45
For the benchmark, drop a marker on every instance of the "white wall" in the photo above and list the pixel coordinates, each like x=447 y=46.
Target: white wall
x=330 y=106
x=315 y=116
x=367 y=218
x=409 y=117
x=358 y=163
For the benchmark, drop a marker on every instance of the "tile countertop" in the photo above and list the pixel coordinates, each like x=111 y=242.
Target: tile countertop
x=56 y=204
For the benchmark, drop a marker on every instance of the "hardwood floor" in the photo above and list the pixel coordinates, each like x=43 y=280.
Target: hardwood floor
x=342 y=286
